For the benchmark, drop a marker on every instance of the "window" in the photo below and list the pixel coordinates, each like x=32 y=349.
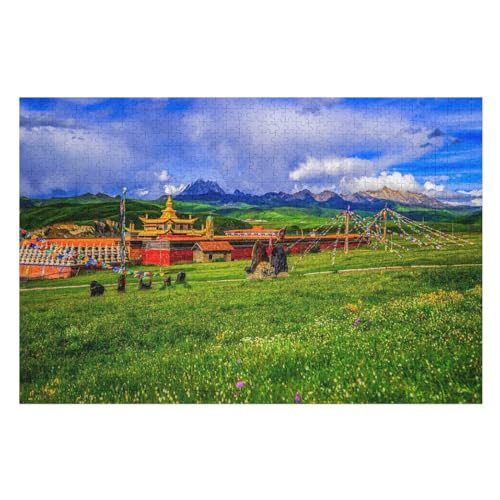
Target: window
x=209 y=256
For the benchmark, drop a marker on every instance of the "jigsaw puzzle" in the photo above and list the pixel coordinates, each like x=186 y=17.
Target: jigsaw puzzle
x=284 y=250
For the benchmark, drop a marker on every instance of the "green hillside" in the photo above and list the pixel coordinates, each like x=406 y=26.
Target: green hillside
x=84 y=210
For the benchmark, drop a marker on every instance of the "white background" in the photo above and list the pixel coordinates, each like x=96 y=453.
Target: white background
x=213 y=48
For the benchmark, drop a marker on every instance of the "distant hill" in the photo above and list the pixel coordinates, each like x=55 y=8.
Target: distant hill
x=403 y=197
x=238 y=209
x=210 y=191
x=25 y=202
x=203 y=187
x=202 y=190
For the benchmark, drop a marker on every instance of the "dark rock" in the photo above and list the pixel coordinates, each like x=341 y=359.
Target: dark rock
x=278 y=259
x=259 y=255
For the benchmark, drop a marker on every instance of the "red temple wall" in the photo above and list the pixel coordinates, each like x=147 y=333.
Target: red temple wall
x=324 y=246
x=167 y=257
x=181 y=255
x=299 y=247
x=241 y=253
x=152 y=257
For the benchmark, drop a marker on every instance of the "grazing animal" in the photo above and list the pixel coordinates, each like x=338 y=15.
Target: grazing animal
x=181 y=278
x=96 y=289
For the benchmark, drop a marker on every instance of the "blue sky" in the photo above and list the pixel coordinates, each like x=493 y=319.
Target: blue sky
x=156 y=146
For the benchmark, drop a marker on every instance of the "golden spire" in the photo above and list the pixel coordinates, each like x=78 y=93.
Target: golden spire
x=169 y=211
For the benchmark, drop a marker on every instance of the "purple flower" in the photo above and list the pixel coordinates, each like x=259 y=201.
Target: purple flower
x=298 y=397
x=240 y=384
x=356 y=322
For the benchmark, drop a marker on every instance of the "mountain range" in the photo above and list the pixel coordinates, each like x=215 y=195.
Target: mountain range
x=210 y=191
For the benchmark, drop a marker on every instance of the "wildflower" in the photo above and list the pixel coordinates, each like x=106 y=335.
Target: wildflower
x=356 y=322
x=298 y=397
x=240 y=384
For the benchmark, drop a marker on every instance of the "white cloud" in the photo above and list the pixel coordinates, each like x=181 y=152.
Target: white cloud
x=395 y=180
x=314 y=168
x=435 y=178
x=407 y=182
x=141 y=192
x=473 y=192
x=430 y=186
x=173 y=189
x=163 y=176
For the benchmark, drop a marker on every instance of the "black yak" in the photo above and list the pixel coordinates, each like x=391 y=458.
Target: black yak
x=96 y=289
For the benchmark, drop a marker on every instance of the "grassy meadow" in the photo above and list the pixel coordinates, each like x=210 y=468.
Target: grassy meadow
x=405 y=336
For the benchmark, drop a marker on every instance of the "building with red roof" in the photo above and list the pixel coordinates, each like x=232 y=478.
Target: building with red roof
x=212 y=251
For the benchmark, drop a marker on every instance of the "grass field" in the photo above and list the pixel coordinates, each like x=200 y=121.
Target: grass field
x=396 y=337
x=361 y=257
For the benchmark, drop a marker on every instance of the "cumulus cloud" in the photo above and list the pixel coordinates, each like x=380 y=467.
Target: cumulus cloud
x=33 y=120
x=407 y=182
x=472 y=192
x=172 y=189
x=163 y=176
x=430 y=186
x=473 y=197
x=437 y=178
x=395 y=180
x=314 y=168
x=141 y=192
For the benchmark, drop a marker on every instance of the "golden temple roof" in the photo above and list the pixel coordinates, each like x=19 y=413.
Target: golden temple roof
x=168 y=214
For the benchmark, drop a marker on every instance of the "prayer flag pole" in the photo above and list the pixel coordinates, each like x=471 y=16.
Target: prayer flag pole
x=122 y=229
x=346 y=233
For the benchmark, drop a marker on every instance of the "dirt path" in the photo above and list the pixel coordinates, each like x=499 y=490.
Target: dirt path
x=341 y=271
x=393 y=268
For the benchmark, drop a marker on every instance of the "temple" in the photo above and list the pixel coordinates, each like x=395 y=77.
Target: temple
x=167 y=224
x=165 y=240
